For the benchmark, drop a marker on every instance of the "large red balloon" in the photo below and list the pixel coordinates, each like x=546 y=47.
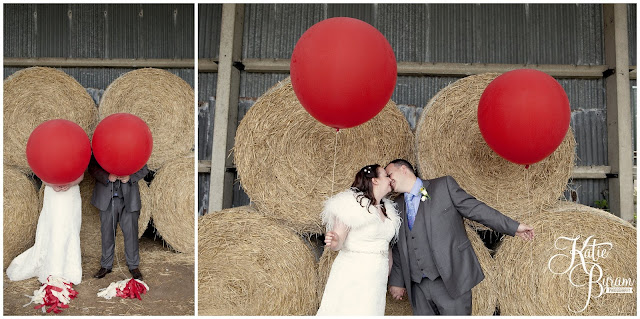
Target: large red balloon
x=122 y=144
x=58 y=151
x=524 y=115
x=343 y=72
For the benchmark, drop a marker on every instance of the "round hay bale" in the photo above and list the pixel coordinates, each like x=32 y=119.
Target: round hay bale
x=397 y=307
x=173 y=211
x=20 y=215
x=250 y=265
x=164 y=101
x=484 y=295
x=35 y=95
x=285 y=157
x=532 y=281
x=449 y=142
x=90 y=233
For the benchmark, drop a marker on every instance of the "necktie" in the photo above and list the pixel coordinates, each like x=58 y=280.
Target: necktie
x=411 y=211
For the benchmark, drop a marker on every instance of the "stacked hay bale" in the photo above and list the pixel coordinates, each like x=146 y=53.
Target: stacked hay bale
x=35 y=95
x=161 y=99
x=542 y=278
x=251 y=265
x=289 y=164
x=20 y=213
x=31 y=97
x=172 y=200
x=166 y=103
x=285 y=158
x=449 y=142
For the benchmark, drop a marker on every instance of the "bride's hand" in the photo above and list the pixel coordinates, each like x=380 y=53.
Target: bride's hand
x=332 y=240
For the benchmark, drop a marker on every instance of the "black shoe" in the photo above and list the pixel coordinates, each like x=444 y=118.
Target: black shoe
x=102 y=272
x=136 y=273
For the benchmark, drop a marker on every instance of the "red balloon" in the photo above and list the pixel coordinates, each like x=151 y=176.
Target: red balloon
x=122 y=144
x=58 y=151
x=343 y=71
x=524 y=115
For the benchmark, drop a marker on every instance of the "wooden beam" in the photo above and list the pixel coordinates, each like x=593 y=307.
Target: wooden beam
x=226 y=112
x=448 y=69
x=100 y=63
x=620 y=148
x=207 y=65
x=590 y=172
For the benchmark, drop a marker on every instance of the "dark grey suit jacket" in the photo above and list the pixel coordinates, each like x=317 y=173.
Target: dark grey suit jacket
x=450 y=247
x=103 y=190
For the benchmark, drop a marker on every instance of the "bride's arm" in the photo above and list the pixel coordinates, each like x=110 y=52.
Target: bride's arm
x=335 y=238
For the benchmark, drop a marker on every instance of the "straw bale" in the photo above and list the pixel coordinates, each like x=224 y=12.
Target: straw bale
x=397 y=307
x=285 y=157
x=250 y=265
x=527 y=286
x=35 y=95
x=164 y=101
x=90 y=234
x=449 y=142
x=485 y=297
x=173 y=209
x=20 y=210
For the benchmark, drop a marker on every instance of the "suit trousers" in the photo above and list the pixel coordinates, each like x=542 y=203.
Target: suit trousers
x=430 y=297
x=116 y=213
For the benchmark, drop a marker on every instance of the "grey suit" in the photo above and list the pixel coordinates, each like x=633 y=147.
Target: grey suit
x=123 y=207
x=454 y=258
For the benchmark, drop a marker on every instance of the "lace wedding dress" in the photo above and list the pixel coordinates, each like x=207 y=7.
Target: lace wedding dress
x=357 y=283
x=56 y=251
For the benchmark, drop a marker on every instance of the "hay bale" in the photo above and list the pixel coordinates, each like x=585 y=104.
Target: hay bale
x=35 y=95
x=20 y=215
x=249 y=265
x=397 y=307
x=449 y=142
x=173 y=209
x=485 y=296
x=527 y=285
x=90 y=234
x=285 y=157
x=164 y=101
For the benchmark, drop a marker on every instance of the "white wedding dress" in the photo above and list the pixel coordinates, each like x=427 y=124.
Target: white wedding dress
x=357 y=283
x=56 y=251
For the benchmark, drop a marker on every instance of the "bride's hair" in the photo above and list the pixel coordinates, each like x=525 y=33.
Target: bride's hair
x=363 y=186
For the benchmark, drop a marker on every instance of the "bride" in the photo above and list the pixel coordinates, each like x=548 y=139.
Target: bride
x=360 y=224
x=56 y=251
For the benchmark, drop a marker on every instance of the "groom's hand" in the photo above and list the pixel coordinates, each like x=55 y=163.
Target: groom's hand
x=525 y=232
x=397 y=292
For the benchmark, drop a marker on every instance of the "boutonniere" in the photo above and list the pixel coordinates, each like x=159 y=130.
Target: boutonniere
x=424 y=193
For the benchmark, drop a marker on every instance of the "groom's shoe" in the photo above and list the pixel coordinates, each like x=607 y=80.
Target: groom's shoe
x=102 y=272
x=136 y=273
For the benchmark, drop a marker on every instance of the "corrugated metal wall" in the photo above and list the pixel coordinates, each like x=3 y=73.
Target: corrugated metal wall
x=108 y=31
x=461 y=33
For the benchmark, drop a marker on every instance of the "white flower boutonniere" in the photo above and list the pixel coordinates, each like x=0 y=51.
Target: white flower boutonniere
x=424 y=193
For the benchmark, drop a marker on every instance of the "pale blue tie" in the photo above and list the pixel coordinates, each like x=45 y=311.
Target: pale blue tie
x=411 y=211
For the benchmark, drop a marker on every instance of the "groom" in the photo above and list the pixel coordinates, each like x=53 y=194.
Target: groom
x=433 y=260
x=118 y=199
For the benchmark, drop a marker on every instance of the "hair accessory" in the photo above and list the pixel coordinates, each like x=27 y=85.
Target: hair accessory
x=367 y=169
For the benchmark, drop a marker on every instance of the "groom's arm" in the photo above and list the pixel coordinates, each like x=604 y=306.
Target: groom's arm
x=473 y=209
x=98 y=172
x=395 y=276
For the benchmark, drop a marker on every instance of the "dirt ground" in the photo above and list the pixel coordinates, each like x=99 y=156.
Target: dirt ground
x=169 y=275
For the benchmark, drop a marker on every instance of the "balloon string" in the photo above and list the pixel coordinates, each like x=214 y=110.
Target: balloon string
x=335 y=152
